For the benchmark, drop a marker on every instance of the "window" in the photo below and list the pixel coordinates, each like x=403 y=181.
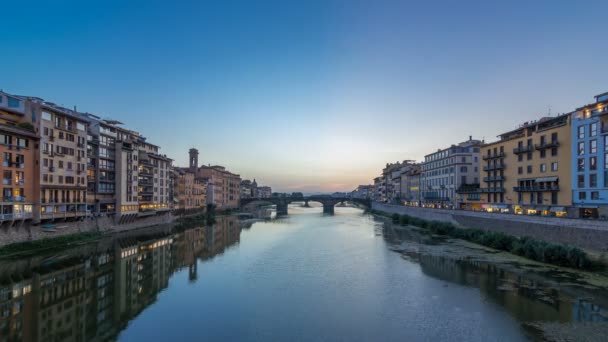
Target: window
x=46 y=116
x=581 y=148
x=554 y=137
x=520 y=157
x=593 y=163
x=554 y=166
x=13 y=103
x=606 y=142
x=554 y=197
x=581 y=132
x=593 y=129
x=595 y=195
x=520 y=170
x=581 y=164
x=593 y=180
x=543 y=168
x=582 y=195
x=593 y=146
x=529 y=155
x=581 y=181
x=543 y=153
x=554 y=151
x=529 y=169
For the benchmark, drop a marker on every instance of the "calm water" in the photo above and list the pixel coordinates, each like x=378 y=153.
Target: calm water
x=304 y=277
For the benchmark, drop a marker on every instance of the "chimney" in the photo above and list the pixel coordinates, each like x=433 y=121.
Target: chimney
x=470 y=137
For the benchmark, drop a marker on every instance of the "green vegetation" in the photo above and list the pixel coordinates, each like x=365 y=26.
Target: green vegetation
x=51 y=244
x=550 y=253
x=26 y=125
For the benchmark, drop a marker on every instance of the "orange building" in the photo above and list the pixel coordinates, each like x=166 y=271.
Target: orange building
x=19 y=168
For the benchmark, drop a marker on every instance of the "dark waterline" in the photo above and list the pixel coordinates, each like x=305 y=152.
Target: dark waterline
x=304 y=277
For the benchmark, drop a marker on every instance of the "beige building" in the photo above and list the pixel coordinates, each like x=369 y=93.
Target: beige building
x=223 y=189
x=189 y=191
x=527 y=171
x=154 y=171
x=62 y=159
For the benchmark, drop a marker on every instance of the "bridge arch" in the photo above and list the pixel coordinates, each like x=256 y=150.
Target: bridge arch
x=282 y=202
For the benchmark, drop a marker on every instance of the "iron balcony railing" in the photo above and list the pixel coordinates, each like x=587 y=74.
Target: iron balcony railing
x=523 y=149
x=535 y=188
x=547 y=145
x=494 y=156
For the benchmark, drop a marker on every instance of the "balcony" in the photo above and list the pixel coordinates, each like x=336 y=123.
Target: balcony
x=499 y=166
x=13 y=199
x=468 y=189
x=535 y=188
x=492 y=190
x=547 y=145
x=66 y=128
x=493 y=179
x=494 y=156
x=51 y=138
x=523 y=149
x=52 y=169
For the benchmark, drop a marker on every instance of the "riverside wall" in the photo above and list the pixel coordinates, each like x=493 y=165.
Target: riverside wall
x=26 y=232
x=592 y=235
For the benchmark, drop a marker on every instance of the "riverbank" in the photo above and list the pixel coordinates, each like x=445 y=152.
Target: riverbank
x=545 y=286
x=537 y=250
x=588 y=235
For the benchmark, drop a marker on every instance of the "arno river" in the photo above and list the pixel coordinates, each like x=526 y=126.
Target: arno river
x=304 y=277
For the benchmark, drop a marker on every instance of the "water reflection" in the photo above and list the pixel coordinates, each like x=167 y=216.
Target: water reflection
x=91 y=294
x=528 y=296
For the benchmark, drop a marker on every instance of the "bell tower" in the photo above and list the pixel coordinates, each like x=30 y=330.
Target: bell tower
x=193 y=160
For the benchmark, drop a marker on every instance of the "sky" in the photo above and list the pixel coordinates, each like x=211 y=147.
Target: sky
x=312 y=96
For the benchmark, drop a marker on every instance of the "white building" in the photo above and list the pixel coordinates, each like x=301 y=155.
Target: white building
x=444 y=171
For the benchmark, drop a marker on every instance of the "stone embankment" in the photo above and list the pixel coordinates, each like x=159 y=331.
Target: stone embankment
x=585 y=234
x=26 y=232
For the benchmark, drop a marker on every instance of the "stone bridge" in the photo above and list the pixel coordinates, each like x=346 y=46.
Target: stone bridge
x=282 y=202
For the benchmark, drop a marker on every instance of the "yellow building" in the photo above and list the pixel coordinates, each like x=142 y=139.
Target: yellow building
x=528 y=170
x=224 y=187
x=189 y=191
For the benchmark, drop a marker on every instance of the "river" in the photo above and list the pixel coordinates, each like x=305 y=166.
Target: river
x=307 y=276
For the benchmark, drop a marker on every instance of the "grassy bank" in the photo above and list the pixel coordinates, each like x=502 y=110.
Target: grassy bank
x=29 y=248
x=537 y=250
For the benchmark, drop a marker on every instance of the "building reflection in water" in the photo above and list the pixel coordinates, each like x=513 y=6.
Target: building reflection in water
x=528 y=296
x=91 y=294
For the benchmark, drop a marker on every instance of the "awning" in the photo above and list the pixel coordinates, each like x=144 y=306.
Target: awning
x=501 y=206
x=542 y=208
x=557 y=209
x=546 y=179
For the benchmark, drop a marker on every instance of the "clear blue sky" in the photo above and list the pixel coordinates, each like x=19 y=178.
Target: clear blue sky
x=308 y=96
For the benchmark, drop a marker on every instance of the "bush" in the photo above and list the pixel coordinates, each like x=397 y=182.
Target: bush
x=529 y=248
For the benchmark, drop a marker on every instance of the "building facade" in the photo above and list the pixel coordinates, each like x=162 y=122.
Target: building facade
x=446 y=170
x=224 y=187
x=189 y=191
x=20 y=162
x=590 y=159
x=62 y=158
x=527 y=171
